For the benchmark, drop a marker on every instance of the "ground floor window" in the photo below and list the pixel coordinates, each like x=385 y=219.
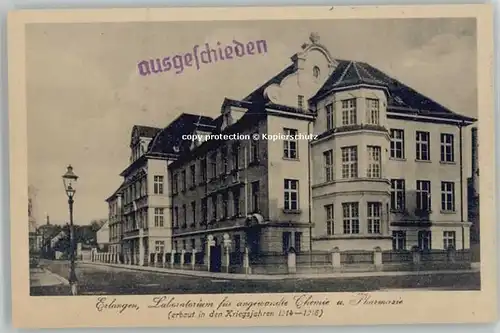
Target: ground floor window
x=424 y=240
x=449 y=240
x=287 y=236
x=159 y=246
x=298 y=241
x=399 y=240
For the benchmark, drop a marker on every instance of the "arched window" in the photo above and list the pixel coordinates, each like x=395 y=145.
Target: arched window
x=316 y=72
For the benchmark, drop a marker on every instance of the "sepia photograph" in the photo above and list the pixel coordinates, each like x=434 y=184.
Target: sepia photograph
x=298 y=157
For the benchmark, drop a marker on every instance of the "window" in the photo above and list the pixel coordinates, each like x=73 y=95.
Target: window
x=351 y=217
x=329 y=220
x=176 y=217
x=300 y=102
x=447 y=152
x=184 y=216
x=225 y=167
x=183 y=180
x=193 y=244
x=397 y=143
x=399 y=240
x=329 y=116
x=193 y=213
x=424 y=240
x=374 y=217
x=449 y=240
x=204 y=210
x=255 y=196
x=291 y=194
x=328 y=162
x=372 y=111
x=349 y=112
x=316 y=72
x=225 y=200
x=213 y=165
x=214 y=208
x=286 y=240
x=374 y=162
x=424 y=195
x=398 y=194
x=192 y=172
x=203 y=170
x=448 y=196
x=298 y=241
x=175 y=246
x=422 y=152
x=184 y=244
x=235 y=156
x=159 y=218
x=254 y=148
x=159 y=246
x=290 y=144
x=236 y=202
x=158 y=184
x=350 y=162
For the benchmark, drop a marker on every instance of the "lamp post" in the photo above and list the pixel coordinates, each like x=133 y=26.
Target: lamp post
x=69 y=180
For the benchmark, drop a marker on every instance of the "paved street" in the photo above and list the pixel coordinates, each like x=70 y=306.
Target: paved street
x=95 y=279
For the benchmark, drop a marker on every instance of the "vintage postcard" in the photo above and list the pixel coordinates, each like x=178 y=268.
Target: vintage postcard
x=252 y=166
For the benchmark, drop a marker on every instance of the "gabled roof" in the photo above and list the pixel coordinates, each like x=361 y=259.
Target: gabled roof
x=257 y=96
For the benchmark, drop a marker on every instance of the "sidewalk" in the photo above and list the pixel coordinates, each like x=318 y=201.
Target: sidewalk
x=231 y=276
x=40 y=277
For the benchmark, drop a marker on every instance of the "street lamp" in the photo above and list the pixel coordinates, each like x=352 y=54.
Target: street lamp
x=69 y=180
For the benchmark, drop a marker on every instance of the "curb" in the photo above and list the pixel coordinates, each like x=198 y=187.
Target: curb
x=58 y=277
x=230 y=276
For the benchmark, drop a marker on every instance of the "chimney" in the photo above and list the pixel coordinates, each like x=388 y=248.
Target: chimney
x=475 y=160
x=48 y=219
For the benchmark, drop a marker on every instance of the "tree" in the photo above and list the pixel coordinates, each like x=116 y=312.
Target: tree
x=97 y=224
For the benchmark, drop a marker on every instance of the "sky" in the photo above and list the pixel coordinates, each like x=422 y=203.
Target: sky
x=84 y=93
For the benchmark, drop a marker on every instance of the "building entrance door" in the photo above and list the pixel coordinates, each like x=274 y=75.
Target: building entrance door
x=215 y=258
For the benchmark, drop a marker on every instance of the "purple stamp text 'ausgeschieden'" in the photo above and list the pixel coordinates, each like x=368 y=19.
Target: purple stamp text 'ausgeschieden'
x=201 y=55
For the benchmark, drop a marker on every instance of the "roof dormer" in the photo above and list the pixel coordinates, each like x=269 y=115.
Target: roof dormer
x=231 y=112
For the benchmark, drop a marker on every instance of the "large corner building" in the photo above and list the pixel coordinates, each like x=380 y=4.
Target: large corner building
x=384 y=170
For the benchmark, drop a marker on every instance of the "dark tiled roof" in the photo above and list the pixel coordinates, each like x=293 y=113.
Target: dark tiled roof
x=400 y=96
x=146 y=131
x=169 y=140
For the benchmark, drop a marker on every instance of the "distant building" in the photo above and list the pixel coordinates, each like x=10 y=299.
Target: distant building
x=103 y=236
x=32 y=217
x=473 y=188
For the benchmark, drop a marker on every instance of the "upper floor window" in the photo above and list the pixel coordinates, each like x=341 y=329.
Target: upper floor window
x=184 y=216
x=183 y=180
x=329 y=116
x=159 y=217
x=374 y=217
x=235 y=156
x=176 y=217
x=213 y=165
x=373 y=111
x=349 y=112
x=424 y=195
x=447 y=151
x=290 y=144
x=374 y=162
x=350 y=162
x=204 y=210
x=422 y=146
x=398 y=194
x=203 y=170
x=329 y=219
x=328 y=165
x=193 y=212
x=350 y=212
x=397 y=143
x=316 y=72
x=192 y=172
x=158 y=184
x=301 y=102
x=448 y=196
x=291 y=194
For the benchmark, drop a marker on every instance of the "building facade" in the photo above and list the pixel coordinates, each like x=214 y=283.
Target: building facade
x=326 y=154
x=103 y=236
